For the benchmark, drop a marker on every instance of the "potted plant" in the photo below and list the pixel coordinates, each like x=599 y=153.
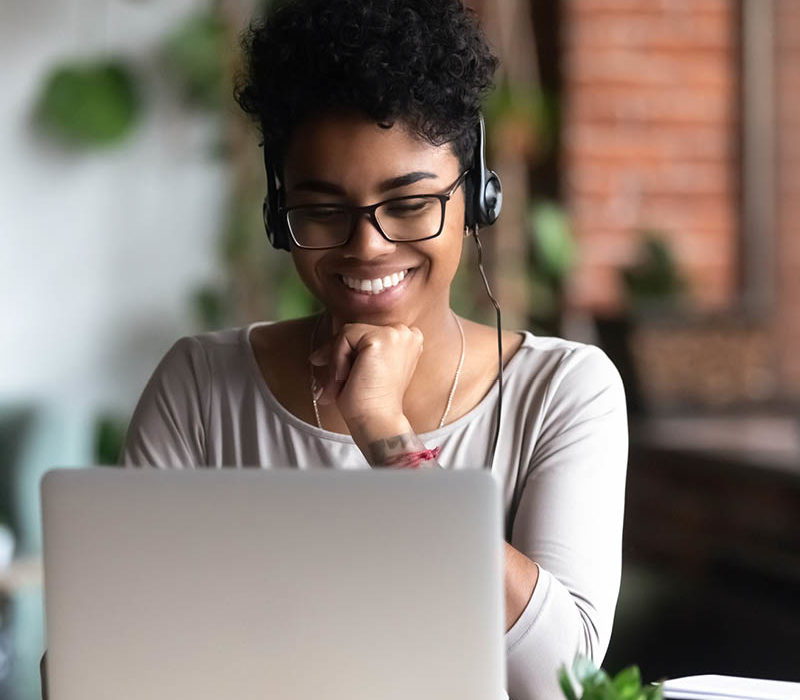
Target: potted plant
x=587 y=682
x=653 y=287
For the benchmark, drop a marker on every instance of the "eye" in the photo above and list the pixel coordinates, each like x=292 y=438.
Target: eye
x=408 y=207
x=321 y=214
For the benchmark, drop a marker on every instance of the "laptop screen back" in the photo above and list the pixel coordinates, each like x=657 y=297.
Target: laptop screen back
x=291 y=584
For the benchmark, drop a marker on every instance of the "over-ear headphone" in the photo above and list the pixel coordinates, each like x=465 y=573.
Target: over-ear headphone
x=277 y=234
x=484 y=195
x=484 y=191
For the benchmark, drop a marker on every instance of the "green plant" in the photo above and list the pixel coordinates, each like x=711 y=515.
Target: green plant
x=553 y=256
x=211 y=307
x=89 y=104
x=109 y=437
x=654 y=277
x=596 y=684
x=293 y=298
x=553 y=246
x=523 y=116
x=196 y=53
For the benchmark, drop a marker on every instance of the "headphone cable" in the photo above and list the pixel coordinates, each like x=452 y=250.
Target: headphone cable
x=499 y=343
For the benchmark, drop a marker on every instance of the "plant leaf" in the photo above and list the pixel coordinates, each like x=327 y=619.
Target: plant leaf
x=584 y=669
x=89 y=104
x=628 y=683
x=566 y=684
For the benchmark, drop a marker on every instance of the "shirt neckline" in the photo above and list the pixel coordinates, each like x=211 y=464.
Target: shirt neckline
x=484 y=404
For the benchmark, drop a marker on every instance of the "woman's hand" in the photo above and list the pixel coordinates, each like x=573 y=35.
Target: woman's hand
x=367 y=370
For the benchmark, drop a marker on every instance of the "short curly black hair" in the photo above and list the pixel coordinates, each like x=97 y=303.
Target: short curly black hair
x=424 y=63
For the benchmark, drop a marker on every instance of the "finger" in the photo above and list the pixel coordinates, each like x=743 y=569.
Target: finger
x=354 y=331
x=319 y=360
x=319 y=377
x=341 y=359
x=420 y=339
x=321 y=356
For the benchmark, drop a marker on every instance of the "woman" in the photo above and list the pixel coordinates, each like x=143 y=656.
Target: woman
x=369 y=111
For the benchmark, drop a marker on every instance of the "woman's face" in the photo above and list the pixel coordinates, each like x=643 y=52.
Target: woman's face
x=347 y=159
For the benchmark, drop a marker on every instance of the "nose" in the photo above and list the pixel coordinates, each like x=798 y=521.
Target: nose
x=367 y=242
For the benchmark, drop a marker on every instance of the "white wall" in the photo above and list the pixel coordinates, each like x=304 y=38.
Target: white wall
x=99 y=251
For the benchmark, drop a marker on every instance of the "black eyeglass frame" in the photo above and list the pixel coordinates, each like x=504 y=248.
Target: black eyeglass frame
x=369 y=209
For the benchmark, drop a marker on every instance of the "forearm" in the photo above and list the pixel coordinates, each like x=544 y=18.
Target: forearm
x=383 y=439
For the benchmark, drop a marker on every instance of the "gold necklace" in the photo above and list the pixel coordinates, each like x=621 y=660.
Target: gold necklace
x=452 y=388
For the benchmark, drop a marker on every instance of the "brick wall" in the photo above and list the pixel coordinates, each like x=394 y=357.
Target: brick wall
x=787 y=317
x=651 y=140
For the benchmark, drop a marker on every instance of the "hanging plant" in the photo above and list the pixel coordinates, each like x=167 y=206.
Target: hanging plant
x=195 y=54
x=553 y=244
x=654 y=279
x=89 y=104
x=552 y=259
x=521 y=118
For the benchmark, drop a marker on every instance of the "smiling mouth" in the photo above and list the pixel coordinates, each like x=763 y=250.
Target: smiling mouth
x=378 y=285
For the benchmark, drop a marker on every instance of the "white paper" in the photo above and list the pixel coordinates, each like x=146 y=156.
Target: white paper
x=729 y=688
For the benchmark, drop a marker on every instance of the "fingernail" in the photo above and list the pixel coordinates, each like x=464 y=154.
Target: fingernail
x=318 y=360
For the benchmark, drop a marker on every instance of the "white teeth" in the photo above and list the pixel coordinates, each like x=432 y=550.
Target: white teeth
x=377 y=285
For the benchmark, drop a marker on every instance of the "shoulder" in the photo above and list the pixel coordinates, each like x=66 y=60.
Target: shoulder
x=196 y=362
x=581 y=388
x=566 y=376
x=199 y=352
x=561 y=358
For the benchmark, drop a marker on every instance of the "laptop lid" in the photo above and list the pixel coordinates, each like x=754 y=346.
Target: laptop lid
x=291 y=584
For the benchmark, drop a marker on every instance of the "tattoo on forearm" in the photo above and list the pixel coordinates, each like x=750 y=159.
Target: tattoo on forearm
x=382 y=451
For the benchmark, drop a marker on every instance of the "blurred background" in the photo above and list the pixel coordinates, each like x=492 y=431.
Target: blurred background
x=650 y=158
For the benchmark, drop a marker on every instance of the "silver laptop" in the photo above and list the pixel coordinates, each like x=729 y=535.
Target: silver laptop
x=287 y=584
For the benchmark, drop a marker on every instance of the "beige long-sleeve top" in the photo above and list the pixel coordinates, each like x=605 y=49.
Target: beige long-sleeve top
x=561 y=458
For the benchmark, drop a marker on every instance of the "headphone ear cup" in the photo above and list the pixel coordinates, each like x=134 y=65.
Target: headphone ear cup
x=276 y=233
x=492 y=199
x=269 y=224
x=488 y=192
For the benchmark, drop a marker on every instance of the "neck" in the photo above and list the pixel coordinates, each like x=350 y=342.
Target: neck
x=427 y=394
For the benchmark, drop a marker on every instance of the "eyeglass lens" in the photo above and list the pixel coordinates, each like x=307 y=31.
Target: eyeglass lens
x=326 y=226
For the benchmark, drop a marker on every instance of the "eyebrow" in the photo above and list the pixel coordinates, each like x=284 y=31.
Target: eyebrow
x=324 y=187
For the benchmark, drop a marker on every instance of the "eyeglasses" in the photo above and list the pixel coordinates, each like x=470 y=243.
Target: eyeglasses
x=415 y=217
